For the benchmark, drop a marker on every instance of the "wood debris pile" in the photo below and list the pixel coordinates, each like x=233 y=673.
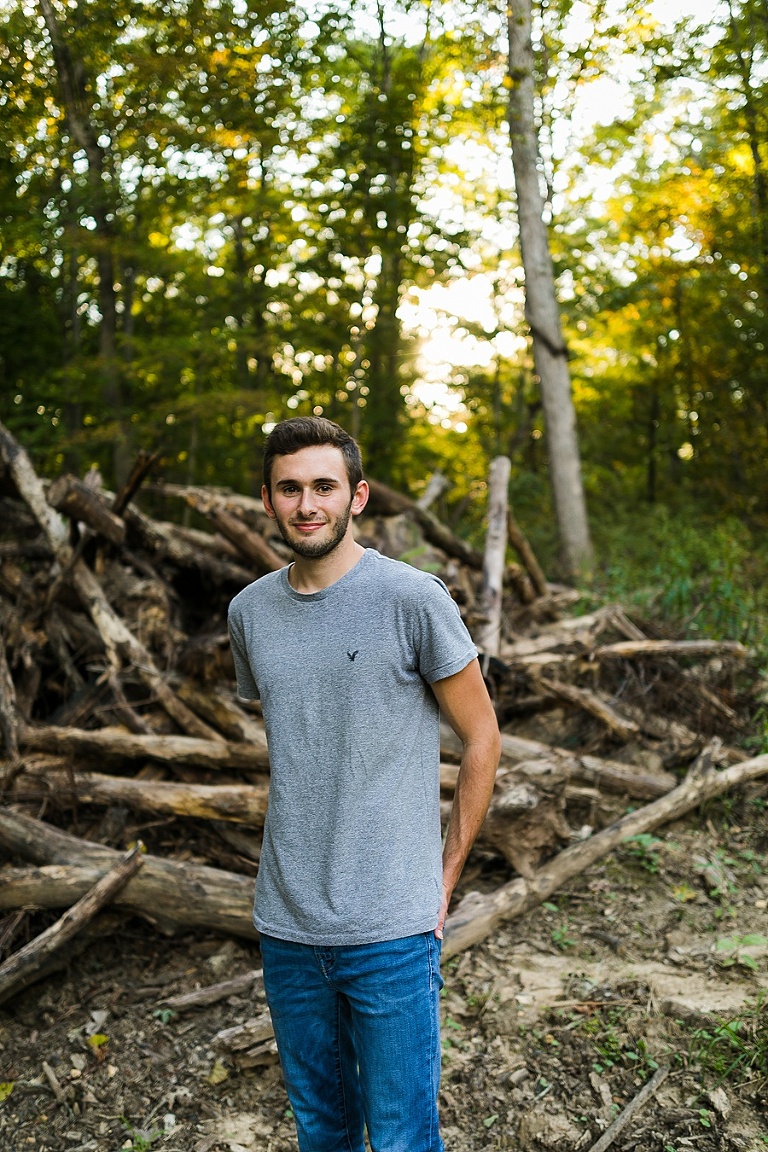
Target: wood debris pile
x=119 y=718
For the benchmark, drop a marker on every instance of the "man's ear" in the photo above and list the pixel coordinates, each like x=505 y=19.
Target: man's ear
x=267 y=503
x=360 y=498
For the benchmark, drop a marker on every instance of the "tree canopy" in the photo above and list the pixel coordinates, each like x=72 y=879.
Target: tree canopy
x=215 y=214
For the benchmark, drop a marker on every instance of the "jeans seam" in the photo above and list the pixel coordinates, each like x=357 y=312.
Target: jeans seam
x=339 y=1077
x=434 y=1046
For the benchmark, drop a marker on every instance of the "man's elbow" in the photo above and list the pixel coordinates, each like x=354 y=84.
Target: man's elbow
x=484 y=742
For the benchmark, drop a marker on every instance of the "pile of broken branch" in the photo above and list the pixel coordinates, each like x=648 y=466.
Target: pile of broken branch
x=119 y=718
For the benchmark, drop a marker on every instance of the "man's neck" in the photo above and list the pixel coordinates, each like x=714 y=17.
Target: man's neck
x=306 y=575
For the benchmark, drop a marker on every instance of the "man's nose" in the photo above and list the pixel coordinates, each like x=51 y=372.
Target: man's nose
x=307 y=502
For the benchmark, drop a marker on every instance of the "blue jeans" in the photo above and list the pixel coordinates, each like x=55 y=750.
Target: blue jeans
x=357 y=1029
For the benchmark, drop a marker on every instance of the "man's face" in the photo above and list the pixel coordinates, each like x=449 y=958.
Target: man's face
x=311 y=500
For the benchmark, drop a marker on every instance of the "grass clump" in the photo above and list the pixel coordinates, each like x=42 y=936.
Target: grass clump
x=735 y=1049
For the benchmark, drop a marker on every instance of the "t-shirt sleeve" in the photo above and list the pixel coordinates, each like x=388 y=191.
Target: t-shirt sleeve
x=247 y=687
x=443 y=643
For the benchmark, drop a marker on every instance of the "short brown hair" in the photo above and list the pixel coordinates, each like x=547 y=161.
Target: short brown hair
x=299 y=432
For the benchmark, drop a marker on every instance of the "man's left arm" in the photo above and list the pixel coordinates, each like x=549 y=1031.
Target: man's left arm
x=466 y=705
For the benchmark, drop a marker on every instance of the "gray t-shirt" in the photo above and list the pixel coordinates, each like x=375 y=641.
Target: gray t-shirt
x=351 y=851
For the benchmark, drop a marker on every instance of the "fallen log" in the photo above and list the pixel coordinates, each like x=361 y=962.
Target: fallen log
x=252 y=546
x=524 y=825
x=171 y=895
x=9 y=719
x=32 y=492
x=75 y=499
x=118 y=744
x=243 y=1036
x=119 y=642
x=679 y=742
x=589 y=702
x=477 y=916
x=640 y=649
x=521 y=754
x=393 y=503
x=521 y=545
x=217 y=706
x=185 y=548
x=203 y=997
x=240 y=803
x=24 y=966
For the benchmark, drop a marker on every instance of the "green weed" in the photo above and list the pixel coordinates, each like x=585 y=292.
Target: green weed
x=733 y=947
x=616 y=1048
x=142 y=1139
x=559 y=934
x=644 y=850
x=737 y=1048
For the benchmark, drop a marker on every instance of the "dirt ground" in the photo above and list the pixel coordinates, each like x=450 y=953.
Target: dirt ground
x=654 y=958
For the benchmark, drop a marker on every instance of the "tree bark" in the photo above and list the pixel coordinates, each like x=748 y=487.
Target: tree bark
x=520 y=543
x=23 y=967
x=240 y=803
x=541 y=308
x=171 y=895
x=249 y=543
x=392 y=503
x=116 y=743
x=75 y=499
x=489 y=632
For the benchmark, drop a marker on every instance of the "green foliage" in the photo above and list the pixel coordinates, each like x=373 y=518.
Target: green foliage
x=644 y=849
x=270 y=186
x=731 y=949
x=703 y=576
x=614 y=1046
x=559 y=933
x=735 y=1049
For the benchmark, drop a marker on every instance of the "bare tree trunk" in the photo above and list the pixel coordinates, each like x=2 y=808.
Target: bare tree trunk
x=489 y=633
x=541 y=308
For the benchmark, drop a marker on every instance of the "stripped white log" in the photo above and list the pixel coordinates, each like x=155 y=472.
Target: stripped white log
x=489 y=632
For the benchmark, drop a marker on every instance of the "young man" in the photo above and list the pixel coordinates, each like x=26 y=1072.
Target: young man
x=354 y=656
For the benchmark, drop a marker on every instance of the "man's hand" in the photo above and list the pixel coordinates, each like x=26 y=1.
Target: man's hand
x=466 y=705
x=442 y=913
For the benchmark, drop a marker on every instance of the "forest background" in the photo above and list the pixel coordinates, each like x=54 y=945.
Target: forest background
x=218 y=213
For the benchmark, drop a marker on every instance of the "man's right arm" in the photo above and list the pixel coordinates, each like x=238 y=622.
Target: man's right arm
x=466 y=705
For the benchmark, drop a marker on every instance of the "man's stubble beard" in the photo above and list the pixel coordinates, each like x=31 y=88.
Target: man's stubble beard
x=309 y=549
